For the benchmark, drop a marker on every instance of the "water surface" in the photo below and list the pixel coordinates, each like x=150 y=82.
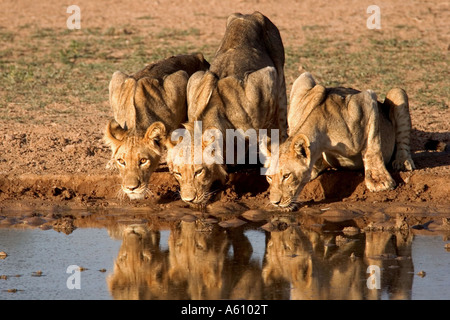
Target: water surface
x=193 y=260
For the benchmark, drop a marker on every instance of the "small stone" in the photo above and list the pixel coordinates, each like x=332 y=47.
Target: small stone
x=232 y=223
x=188 y=218
x=421 y=273
x=255 y=215
x=34 y=221
x=350 y=231
x=269 y=227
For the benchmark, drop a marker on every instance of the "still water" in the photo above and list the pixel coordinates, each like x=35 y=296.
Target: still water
x=193 y=261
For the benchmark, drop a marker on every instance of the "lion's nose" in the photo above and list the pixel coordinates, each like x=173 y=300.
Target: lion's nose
x=275 y=199
x=130 y=183
x=275 y=202
x=132 y=187
x=187 y=196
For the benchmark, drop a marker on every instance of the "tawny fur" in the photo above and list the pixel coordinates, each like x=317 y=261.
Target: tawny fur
x=147 y=105
x=243 y=89
x=340 y=128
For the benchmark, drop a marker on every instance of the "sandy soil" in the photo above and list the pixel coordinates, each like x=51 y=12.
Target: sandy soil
x=61 y=164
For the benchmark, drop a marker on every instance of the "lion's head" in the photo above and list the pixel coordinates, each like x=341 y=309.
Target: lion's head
x=291 y=174
x=140 y=268
x=196 y=165
x=197 y=257
x=135 y=156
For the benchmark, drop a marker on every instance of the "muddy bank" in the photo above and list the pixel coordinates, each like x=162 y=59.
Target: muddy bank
x=420 y=200
x=332 y=186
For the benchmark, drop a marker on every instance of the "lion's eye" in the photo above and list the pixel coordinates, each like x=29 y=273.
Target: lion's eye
x=286 y=176
x=121 y=161
x=143 y=161
x=198 y=172
x=269 y=178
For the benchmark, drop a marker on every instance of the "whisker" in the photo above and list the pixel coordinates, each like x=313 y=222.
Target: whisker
x=208 y=194
x=293 y=206
x=204 y=197
x=148 y=191
x=121 y=195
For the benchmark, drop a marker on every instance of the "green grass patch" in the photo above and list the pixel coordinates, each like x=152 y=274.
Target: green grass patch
x=172 y=33
x=375 y=63
x=60 y=65
x=53 y=65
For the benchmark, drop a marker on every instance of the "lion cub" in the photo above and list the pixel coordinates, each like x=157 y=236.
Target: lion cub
x=244 y=90
x=147 y=105
x=340 y=128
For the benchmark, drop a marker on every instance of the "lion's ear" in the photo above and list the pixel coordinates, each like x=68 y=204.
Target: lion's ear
x=114 y=134
x=156 y=133
x=300 y=147
x=234 y=16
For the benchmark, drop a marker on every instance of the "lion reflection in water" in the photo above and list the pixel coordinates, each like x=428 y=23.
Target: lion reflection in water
x=397 y=248
x=140 y=267
x=196 y=257
x=299 y=263
x=313 y=265
x=200 y=263
x=196 y=265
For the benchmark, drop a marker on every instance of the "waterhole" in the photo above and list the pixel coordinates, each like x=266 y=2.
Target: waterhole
x=205 y=258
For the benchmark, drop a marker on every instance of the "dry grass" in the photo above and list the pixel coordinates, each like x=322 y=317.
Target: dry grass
x=43 y=66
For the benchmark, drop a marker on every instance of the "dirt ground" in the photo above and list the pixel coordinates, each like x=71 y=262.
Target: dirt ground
x=56 y=158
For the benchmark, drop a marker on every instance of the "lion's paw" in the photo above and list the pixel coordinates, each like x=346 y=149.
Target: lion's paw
x=376 y=183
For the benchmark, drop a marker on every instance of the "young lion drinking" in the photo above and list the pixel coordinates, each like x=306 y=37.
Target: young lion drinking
x=340 y=128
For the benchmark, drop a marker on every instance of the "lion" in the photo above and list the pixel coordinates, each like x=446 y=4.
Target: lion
x=197 y=256
x=340 y=128
x=244 y=89
x=390 y=246
x=309 y=266
x=140 y=269
x=147 y=105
